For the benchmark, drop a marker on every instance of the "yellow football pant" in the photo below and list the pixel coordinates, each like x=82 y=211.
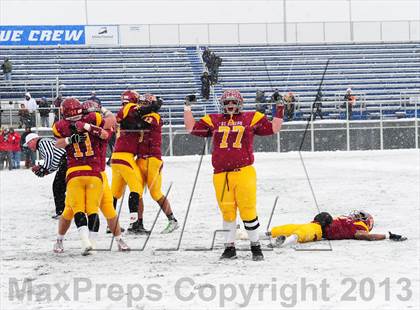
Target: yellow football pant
x=305 y=232
x=125 y=172
x=150 y=170
x=237 y=190
x=84 y=194
x=106 y=206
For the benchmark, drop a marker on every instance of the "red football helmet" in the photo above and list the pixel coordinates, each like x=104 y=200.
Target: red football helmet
x=129 y=96
x=91 y=106
x=71 y=109
x=231 y=102
x=364 y=217
x=147 y=99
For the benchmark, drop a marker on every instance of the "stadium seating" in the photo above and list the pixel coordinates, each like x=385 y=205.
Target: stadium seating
x=384 y=76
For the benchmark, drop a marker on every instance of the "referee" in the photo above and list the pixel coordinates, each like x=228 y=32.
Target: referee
x=54 y=160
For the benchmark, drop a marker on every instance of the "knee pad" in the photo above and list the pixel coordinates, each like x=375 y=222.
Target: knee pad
x=133 y=202
x=80 y=219
x=252 y=225
x=93 y=222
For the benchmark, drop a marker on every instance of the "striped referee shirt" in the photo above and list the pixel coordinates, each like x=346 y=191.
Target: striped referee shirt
x=52 y=155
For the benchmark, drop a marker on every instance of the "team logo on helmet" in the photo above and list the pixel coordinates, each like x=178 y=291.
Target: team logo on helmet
x=231 y=102
x=130 y=96
x=71 y=109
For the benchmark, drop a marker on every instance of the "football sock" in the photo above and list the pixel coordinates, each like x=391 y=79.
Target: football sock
x=230 y=234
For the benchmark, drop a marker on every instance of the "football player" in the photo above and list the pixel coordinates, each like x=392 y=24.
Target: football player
x=81 y=136
x=149 y=160
x=356 y=226
x=123 y=164
x=124 y=168
x=234 y=178
x=106 y=205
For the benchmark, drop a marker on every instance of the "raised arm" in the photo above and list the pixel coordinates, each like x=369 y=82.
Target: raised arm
x=277 y=121
x=189 y=120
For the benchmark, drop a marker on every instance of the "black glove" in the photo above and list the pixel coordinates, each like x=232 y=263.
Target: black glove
x=396 y=237
x=39 y=171
x=73 y=128
x=77 y=138
x=190 y=100
x=143 y=110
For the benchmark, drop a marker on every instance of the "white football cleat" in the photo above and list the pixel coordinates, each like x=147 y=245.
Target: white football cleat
x=172 y=225
x=58 y=246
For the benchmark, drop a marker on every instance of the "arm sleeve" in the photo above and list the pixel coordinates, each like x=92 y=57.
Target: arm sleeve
x=46 y=150
x=261 y=125
x=203 y=128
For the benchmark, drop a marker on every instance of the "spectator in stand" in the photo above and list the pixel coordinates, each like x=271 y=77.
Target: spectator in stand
x=260 y=101
x=215 y=63
x=206 y=56
x=289 y=101
x=28 y=155
x=44 y=112
x=5 y=150
x=14 y=139
x=24 y=117
x=94 y=98
x=318 y=106
x=57 y=105
x=205 y=85
x=6 y=67
x=349 y=102
x=31 y=105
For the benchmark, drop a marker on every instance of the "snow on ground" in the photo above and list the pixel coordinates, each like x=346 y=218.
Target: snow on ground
x=354 y=275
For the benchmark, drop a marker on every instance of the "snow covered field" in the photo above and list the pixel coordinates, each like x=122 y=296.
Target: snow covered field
x=353 y=275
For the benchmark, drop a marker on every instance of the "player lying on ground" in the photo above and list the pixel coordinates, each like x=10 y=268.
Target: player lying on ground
x=106 y=205
x=234 y=179
x=357 y=225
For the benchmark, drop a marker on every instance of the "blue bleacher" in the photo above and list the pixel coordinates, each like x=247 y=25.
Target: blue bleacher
x=378 y=73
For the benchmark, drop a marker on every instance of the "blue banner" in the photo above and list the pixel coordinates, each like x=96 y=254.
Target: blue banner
x=42 y=35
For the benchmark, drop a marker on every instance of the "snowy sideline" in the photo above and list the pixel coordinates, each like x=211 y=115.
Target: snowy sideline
x=385 y=274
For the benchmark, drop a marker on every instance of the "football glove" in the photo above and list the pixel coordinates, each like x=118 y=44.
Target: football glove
x=190 y=100
x=76 y=138
x=39 y=171
x=396 y=237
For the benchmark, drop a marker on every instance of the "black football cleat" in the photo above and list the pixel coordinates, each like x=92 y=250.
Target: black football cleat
x=229 y=253
x=137 y=228
x=257 y=254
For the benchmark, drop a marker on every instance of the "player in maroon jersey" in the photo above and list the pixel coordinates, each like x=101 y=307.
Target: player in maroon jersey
x=149 y=160
x=81 y=136
x=357 y=225
x=123 y=164
x=124 y=168
x=106 y=205
x=234 y=176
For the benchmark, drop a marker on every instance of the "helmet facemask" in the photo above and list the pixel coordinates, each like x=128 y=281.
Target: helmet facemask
x=231 y=106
